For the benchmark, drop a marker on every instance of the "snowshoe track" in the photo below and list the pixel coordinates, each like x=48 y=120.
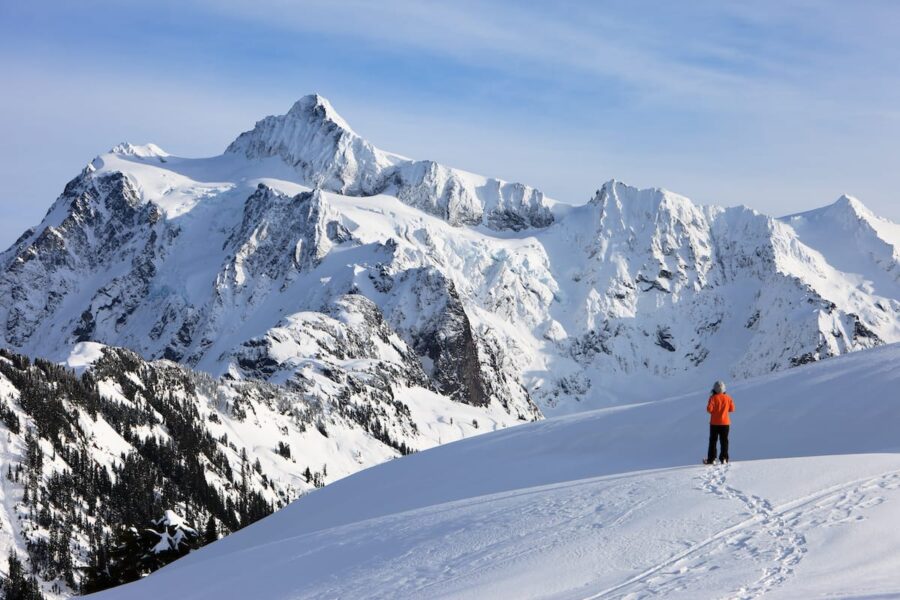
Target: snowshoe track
x=771 y=535
x=777 y=540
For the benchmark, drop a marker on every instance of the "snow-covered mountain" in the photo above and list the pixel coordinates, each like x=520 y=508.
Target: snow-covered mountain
x=610 y=503
x=305 y=255
x=315 y=279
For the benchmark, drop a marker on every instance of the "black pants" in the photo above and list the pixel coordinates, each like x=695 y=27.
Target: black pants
x=718 y=432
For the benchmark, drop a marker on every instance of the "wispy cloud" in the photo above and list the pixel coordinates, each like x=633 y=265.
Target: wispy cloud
x=780 y=105
x=704 y=51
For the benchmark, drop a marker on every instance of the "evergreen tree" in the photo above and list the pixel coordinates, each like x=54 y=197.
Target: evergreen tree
x=211 y=531
x=97 y=576
x=126 y=556
x=17 y=586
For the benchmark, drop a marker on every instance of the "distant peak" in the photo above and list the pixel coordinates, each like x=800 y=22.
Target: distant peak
x=629 y=194
x=318 y=107
x=311 y=102
x=310 y=126
x=612 y=184
x=144 y=151
x=852 y=203
x=314 y=140
x=609 y=189
x=847 y=208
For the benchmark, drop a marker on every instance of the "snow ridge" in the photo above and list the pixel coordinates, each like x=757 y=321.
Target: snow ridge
x=326 y=153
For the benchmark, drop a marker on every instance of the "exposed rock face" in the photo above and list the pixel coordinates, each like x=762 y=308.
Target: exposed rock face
x=702 y=271
x=97 y=218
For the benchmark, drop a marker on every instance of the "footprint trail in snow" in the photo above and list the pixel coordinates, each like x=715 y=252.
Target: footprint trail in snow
x=772 y=537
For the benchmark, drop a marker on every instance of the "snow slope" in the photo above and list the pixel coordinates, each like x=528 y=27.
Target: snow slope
x=604 y=504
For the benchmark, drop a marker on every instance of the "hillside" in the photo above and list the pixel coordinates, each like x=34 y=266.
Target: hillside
x=604 y=504
x=119 y=441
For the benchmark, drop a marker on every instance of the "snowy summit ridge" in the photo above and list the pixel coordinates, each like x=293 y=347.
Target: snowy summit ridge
x=315 y=141
x=264 y=261
x=144 y=151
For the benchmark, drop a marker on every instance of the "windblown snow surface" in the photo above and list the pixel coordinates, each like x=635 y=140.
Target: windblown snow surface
x=610 y=503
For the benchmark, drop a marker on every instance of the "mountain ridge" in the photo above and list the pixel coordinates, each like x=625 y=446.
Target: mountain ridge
x=555 y=300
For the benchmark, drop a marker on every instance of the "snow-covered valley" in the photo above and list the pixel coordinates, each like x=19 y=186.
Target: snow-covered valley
x=605 y=504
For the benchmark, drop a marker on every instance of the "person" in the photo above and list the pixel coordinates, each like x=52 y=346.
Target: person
x=719 y=406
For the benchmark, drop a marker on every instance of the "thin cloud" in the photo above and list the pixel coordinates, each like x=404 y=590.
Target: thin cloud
x=781 y=106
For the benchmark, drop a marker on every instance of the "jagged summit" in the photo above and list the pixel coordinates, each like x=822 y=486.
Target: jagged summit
x=316 y=142
x=629 y=203
x=623 y=192
x=139 y=151
x=313 y=140
x=314 y=104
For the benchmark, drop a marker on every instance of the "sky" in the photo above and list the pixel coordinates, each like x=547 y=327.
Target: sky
x=779 y=105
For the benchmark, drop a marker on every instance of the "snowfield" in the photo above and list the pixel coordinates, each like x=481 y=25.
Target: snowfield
x=604 y=504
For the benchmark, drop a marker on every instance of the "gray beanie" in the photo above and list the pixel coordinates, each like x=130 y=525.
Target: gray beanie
x=719 y=387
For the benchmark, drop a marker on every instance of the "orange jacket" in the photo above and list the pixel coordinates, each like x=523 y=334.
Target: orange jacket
x=718 y=407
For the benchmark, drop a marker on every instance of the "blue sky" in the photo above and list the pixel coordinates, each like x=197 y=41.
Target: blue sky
x=781 y=106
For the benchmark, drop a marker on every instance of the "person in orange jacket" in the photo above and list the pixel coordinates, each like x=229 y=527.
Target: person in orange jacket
x=719 y=406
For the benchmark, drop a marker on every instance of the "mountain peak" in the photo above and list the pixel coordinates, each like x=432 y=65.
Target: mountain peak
x=139 y=151
x=313 y=139
x=649 y=199
x=851 y=203
x=846 y=209
x=319 y=107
